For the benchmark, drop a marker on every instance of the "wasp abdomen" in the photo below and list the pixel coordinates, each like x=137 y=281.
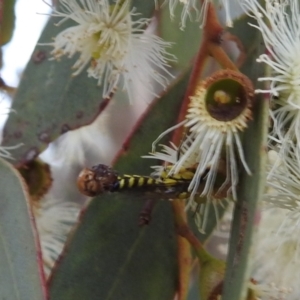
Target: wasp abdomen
x=133 y=181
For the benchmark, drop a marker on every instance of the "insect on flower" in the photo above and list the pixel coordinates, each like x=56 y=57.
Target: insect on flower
x=218 y=113
x=159 y=185
x=101 y=178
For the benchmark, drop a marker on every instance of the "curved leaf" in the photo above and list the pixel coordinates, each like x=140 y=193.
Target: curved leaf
x=109 y=257
x=186 y=42
x=49 y=101
x=142 y=9
x=21 y=270
x=251 y=187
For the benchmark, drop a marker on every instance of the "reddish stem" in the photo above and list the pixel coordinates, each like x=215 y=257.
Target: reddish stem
x=210 y=46
x=198 y=67
x=219 y=54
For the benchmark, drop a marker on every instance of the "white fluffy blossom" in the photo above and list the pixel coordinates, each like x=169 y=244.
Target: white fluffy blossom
x=54 y=220
x=117 y=48
x=275 y=259
x=200 y=207
x=279 y=24
x=283 y=182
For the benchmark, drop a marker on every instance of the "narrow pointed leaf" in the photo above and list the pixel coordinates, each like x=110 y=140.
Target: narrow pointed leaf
x=185 y=42
x=251 y=187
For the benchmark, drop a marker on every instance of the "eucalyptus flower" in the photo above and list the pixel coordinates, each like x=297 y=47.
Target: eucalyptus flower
x=275 y=256
x=283 y=182
x=199 y=206
x=218 y=113
x=279 y=24
x=117 y=49
x=54 y=221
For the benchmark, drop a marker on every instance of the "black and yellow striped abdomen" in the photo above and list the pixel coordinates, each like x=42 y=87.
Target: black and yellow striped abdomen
x=101 y=178
x=133 y=181
x=165 y=187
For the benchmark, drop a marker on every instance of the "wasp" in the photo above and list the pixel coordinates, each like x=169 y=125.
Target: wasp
x=101 y=178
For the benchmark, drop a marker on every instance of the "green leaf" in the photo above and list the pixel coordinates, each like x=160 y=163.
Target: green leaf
x=20 y=276
x=49 y=101
x=7 y=20
x=251 y=187
x=186 y=42
x=142 y=9
x=110 y=257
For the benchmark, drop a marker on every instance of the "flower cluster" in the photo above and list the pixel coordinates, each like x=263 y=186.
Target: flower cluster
x=116 y=48
x=283 y=182
x=275 y=259
x=276 y=275
x=281 y=33
x=279 y=23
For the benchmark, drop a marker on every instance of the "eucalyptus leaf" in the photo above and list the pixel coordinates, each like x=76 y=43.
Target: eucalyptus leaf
x=251 y=187
x=20 y=263
x=49 y=100
x=109 y=256
x=142 y=9
x=186 y=42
